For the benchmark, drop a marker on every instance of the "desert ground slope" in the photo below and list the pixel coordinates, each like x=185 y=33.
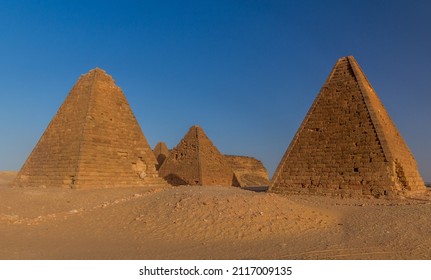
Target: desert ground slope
x=6 y=177
x=207 y=223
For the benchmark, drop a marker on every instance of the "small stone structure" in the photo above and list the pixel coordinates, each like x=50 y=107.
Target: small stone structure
x=161 y=152
x=347 y=144
x=249 y=172
x=196 y=161
x=93 y=141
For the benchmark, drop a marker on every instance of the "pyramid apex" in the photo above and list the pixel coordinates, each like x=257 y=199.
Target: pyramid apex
x=161 y=145
x=96 y=70
x=97 y=73
x=347 y=57
x=196 y=129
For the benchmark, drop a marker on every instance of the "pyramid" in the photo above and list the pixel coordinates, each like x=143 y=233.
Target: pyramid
x=93 y=141
x=196 y=161
x=249 y=172
x=347 y=144
x=161 y=152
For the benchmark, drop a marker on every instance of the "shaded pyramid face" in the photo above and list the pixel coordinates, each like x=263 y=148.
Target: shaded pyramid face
x=94 y=140
x=196 y=161
x=347 y=144
x=161 y=152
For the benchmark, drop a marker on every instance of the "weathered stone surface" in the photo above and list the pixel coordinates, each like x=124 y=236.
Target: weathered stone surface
x=161 y=152
x=196 y=161
x=249 y=172
x=347 y=144
x=93 y=141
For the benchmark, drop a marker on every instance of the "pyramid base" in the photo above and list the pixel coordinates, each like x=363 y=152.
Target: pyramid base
x=346 y=191
x=91 y=184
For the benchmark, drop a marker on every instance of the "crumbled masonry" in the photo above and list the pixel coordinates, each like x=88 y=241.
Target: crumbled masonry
x=249 y=172
x=196 y=161
x=161 y=152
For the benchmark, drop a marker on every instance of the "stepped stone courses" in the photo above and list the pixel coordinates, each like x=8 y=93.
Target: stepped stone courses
x=161 y=152
x=93 y=141
x=196 y=161
x=249 y=172
x=347 y=144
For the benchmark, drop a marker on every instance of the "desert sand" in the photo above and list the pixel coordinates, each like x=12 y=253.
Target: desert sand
x=200 y=222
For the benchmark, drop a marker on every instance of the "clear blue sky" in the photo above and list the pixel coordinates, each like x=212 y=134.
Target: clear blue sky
x=246 y=71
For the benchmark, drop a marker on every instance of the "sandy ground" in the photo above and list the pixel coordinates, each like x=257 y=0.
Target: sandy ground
x=6 y=177
x=207 y=223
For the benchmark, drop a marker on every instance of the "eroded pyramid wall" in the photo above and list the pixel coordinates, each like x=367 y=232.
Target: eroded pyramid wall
x=249 y=172
x=161 y=152
x=347 y=144
x=196 y=161
x=94 y=140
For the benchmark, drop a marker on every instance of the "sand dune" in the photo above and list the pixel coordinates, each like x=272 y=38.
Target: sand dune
x=208 y=223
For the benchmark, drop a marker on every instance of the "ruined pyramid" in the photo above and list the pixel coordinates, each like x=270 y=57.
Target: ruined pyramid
x=196 y=161
x=347 y=144
x=249 y=172
x=93 y=141
x=161 y=152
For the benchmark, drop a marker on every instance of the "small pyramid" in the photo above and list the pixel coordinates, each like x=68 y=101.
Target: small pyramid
x=161 y=152
x=249 y=172
x=347 y=144
x=196 y=161
x=93 y=141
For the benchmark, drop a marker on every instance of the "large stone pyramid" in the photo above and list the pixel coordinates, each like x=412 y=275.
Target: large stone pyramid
x=93 y=141
x=196 y=161
x=347 y=144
